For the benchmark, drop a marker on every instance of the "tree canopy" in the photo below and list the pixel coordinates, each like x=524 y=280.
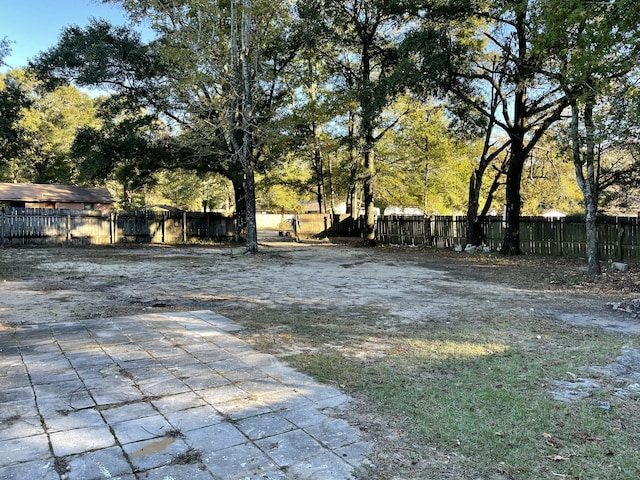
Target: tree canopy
x=442 y=105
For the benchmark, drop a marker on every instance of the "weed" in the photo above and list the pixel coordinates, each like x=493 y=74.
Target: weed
x=190 y=457
x=61 y=466
x=481 y=392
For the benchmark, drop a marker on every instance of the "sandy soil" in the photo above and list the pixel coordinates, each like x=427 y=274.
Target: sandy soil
x=401 y=287
x=407 y=285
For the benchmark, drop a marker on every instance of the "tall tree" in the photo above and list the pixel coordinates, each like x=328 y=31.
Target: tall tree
x=368 y=34
x=592 y=48
x=491 y=66
x=125 y=148
x=214 y=71
x=422 y=163
x=492 y=159
x=227 y=64
x=530 y=104
x=43 y=129
x=13 y=101
x=50 y=125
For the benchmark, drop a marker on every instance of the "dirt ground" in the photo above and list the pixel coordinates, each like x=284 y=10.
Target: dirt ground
x=408 y=285
x=403 y=286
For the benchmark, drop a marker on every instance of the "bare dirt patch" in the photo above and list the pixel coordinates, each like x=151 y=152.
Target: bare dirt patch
x=371 y=296
x=406 y=286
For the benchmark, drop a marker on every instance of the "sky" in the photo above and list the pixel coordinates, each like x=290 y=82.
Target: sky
x=33 y=26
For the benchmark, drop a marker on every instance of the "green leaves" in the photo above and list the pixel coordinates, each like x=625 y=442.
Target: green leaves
x=99 y=55
x=38 y=127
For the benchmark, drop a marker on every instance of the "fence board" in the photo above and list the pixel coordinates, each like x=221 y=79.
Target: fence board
x=57 y=226
x=619 y=237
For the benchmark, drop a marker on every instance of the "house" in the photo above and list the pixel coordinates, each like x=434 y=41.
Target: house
x=403 y=211
x=31 y=195
x=554 y=214
x=313 y=207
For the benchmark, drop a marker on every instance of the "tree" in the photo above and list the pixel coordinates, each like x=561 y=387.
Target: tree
x=127 y=149
x=549 y=181
x=188 y=190
x=227 y=70
x=44 y=125
x=590 y=47
x=308 y=120
x=13 y=101
x=421 y=162
x=50 y=124
x=490 y=65
x=213 y=71
x=367 y=34
x=113 y=59
x=494 y=154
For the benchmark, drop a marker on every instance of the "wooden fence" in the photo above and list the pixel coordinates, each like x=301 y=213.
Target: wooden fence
x=619 y=237
x=92 y=227
x=55 y=226
x=310 y=224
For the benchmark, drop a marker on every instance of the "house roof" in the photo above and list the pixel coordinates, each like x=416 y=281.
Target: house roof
x=554 y=214
x=32 y=192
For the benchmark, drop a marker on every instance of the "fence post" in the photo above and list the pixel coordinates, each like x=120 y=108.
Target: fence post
x=4 y=219
x=184 y=227
x=620 y=248
x=68 y=227
x=111 y=229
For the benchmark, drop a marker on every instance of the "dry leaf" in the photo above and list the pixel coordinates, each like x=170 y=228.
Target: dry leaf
x=586 y=437
x=557 y=458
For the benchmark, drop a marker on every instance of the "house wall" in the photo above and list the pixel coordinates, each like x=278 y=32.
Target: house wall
x=104 y=207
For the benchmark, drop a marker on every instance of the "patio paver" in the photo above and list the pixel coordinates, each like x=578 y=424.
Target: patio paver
x=163 y=395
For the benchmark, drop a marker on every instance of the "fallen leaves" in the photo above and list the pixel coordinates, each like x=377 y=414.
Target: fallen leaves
x=557 y=458
x=550 y=441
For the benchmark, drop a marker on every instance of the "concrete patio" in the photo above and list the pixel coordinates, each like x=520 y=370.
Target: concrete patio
x=163 y=396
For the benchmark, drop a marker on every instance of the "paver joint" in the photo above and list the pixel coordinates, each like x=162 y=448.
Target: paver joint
x=163 y=396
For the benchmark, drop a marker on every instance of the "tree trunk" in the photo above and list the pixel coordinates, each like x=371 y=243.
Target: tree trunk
x=332 y=193
x=352 y=207
x=319 y=173
x=591 y=195
x=248 y=158
x=237 y=180
x=511 y=241
x=587 y=179
x=252 y=230
x=369 y=189
x=593 y=245
x=475 y=218
x=318 y=165
x=240 y=115
x=517 y=157
x=367 y=136
x=474 y=227
x=518 y=154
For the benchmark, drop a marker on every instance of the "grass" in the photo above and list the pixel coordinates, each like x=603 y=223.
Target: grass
x=471 y=393
x=480 y=391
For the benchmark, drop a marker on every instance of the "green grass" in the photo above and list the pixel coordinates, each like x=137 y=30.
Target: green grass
x=483 y=393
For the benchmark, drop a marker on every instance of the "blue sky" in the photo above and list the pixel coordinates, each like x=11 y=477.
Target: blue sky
x=35 y=25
